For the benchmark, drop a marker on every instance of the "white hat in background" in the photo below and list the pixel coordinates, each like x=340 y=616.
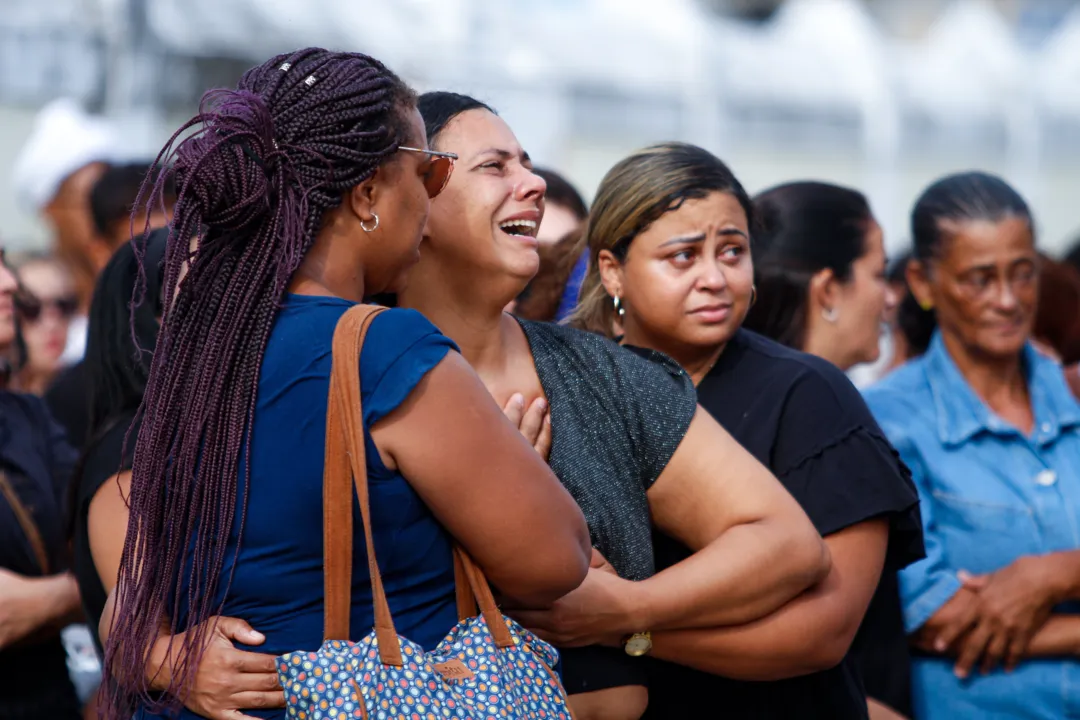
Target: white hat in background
x=64 y=139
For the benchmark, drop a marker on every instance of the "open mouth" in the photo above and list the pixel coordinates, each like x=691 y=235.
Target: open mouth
x=520 y=228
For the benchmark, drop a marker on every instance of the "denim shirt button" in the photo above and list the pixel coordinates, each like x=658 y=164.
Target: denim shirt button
x=1046 y=478
x=1047 y=427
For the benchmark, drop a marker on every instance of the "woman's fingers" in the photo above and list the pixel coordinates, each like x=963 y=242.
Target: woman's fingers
x=515 y=409
x=959 y=624
x=973 y=582
x=252 y=662
x=995 y=651
x=532 y=423
x=543 y=442
x=972 y=649
x=1017 y=650
x=255 y=682
x=236 y=630
x=258 y=701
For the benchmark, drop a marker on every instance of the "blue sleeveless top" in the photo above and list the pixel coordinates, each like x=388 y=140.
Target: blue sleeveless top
x=277 y=579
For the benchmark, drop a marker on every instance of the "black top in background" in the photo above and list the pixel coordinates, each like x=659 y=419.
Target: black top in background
x=34 y=680
x=802 y=418
x=68 y=399
x=106 y=457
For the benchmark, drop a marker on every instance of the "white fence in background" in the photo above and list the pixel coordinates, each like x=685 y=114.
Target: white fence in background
x=819 y=91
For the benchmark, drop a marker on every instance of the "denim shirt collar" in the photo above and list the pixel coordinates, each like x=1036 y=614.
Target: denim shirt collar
x=962 y=414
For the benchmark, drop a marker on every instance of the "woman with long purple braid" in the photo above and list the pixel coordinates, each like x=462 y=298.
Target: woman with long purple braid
x=302 y=191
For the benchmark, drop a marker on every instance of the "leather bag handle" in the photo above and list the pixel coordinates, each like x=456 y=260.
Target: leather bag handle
x=346 y=455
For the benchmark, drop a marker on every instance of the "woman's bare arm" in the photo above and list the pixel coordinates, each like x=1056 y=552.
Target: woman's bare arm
x=1058 y=637
x=106 y=526
x=811 y=633
x=755 y=547
x=32 y=608
x=487 y=485
x=880 y=711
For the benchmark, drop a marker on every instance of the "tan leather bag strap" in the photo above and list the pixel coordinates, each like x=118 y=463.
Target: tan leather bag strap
x=466 y=602
x=26 y=521
x=345 y=448
x=346 y=455
x=484 y=598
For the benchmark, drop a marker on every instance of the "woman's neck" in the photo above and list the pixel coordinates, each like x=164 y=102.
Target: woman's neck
x=827 y=348
x=478 y=325
x=333 y=267
x=31 y=381
x=695 y=360
x=999 y=382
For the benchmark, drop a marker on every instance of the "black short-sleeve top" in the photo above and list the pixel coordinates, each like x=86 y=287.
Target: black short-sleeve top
x=107 y=455
x=801 y=417
x=616 y=420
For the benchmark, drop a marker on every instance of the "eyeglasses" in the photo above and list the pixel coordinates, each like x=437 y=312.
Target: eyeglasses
x=31 y=308
x=440 y=167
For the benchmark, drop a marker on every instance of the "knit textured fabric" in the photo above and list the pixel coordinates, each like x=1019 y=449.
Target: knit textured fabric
x=616 y=420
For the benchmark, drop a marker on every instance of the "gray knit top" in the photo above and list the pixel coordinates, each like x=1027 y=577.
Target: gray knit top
x=616 y=420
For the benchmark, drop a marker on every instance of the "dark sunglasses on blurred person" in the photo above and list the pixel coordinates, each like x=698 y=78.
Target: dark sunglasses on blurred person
x=31 y=308
x=439 y=168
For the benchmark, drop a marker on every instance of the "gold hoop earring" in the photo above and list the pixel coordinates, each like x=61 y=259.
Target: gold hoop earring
x=619 y=309
x=372 y=228
x=753 y=295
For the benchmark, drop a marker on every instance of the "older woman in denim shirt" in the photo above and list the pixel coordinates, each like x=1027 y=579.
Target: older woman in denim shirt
x=992 y=436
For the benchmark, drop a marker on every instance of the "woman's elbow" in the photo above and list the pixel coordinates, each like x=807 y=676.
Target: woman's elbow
x=830 y=630
x=827 y=653
x=822 y=646
x=807 y=556
x=554 y=572
x=815 y=656
x=545 y=584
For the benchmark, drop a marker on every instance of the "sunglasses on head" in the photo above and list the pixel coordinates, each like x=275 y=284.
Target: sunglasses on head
x=440 y=166
x=31 y=308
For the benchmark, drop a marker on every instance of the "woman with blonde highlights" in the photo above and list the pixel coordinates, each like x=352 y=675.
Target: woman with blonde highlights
x=669 y=241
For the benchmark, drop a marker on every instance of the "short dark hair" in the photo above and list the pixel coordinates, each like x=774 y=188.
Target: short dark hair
x=121 y=337
x=633 y=195
x=962 y=197
x=112 y=199
x=561 y=192
x=958 y=198
x=439 y=107
x=802 y=228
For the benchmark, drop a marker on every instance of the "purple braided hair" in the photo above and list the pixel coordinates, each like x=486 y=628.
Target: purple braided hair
x=264 y=164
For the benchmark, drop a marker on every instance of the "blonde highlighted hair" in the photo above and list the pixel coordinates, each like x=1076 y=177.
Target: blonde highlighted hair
x=631 y=197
